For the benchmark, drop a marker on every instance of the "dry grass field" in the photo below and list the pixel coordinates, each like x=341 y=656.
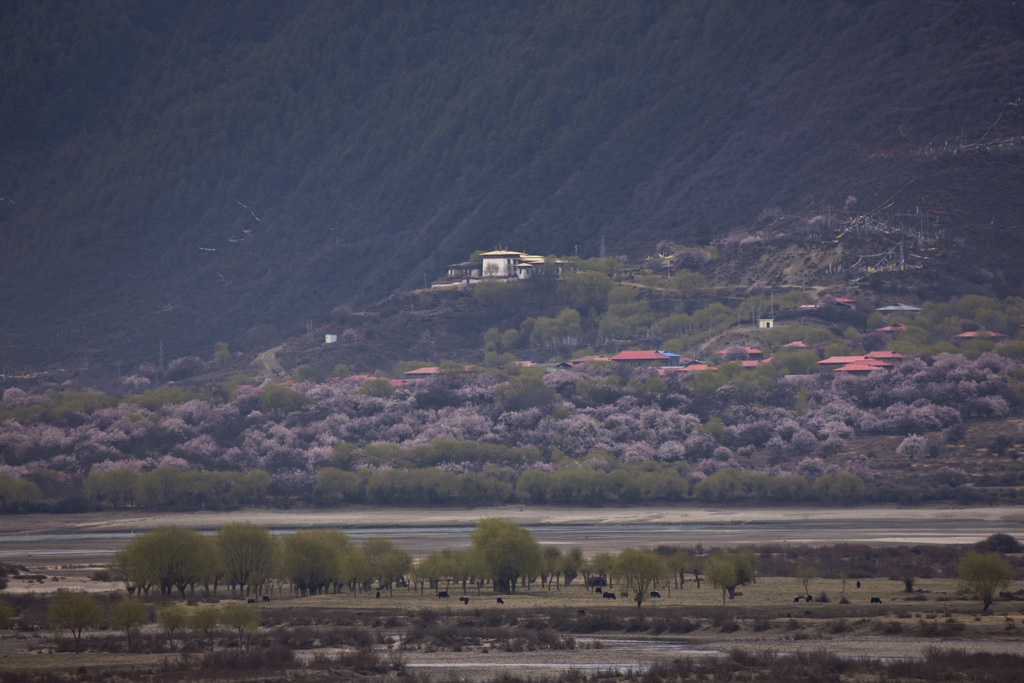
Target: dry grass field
x=536 y=633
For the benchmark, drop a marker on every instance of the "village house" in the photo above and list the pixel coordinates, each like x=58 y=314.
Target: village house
x=898 y=308
x=644 y=357
x=499 y=264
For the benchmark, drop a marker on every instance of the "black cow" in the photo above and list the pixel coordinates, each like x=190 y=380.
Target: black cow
x=581 y=612
x=378 y=594
x=809 y=598
x=798 y=598
x=876 y=601
x=607 y=595
x=251 y=601
x=464 y=600
x=858 y=584
x=442 y=594
x=266 y=598
x=500 y=601
x=598 y=590
x=655 y=594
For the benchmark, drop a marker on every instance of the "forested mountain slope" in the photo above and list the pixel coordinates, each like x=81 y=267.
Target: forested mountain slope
x=187 y=172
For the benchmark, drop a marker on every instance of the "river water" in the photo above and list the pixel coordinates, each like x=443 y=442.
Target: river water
x=58 y=539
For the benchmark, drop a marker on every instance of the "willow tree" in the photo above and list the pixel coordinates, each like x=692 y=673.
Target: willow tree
x=171 y=557
x=721 y=572
x=508 y=550
x=246 y=554
x=75 y=611
x=312 y=559
x=983 y=575
x=639 y=570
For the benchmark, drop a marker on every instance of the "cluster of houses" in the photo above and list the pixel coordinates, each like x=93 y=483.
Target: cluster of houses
x=507 y=265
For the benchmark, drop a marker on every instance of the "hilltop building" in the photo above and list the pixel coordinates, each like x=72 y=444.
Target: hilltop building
x=499 y=264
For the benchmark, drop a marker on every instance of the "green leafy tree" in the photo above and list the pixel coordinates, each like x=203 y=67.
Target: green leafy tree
x=983 y=575
x=341 y=371
x=334 y=486
x=498 y=295
x=312 y=559
x=679 y=563
x=163 y=487
x=584 y=290
x=172 y=617
x=392 y=567
x=572 y=564
x=841 y=488
x=240 y=617
x=128 y=614
x=379 y=388
x=303 y=373
x=601 y=565
x=508 y=550
x=689 y=284
x=203 y=621
x=639 y=570
x=171 y=557
x=805 y=572
x=721 y=572
x=522 y=393
x=74 y=611
x=17 y=495
x=551 y=572
x=221 y=354
x=354 y=569
x=116 y=487
x=6 y=614
x=246 y=554
x=279 y=397
x=431 y=570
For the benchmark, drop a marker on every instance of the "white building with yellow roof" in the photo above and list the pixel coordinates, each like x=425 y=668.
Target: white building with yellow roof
x=507 y=264
x=500 y=264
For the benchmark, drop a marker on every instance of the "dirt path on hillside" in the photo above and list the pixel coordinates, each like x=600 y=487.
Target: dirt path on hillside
x=268 y=361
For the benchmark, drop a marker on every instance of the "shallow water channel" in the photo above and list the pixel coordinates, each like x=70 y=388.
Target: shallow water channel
x=60 y=539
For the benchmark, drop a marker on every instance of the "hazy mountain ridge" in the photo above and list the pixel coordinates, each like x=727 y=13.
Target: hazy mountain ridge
x=365 y=146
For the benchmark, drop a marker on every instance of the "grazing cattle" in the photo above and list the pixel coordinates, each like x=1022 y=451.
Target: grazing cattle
x=798 y=598
x=251 y=601
x=876 y=601
x=858 y=584
x=598 y=590
x=581 y=612
x=809 y=598
x=442 y=594
x=464 y=600
x=500 y=601
x=607 y=595
x=378 y=594
x=655 y=594
x=266 y=598
x=623 y=595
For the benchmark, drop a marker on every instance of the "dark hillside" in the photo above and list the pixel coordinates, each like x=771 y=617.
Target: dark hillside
x=191 y=172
